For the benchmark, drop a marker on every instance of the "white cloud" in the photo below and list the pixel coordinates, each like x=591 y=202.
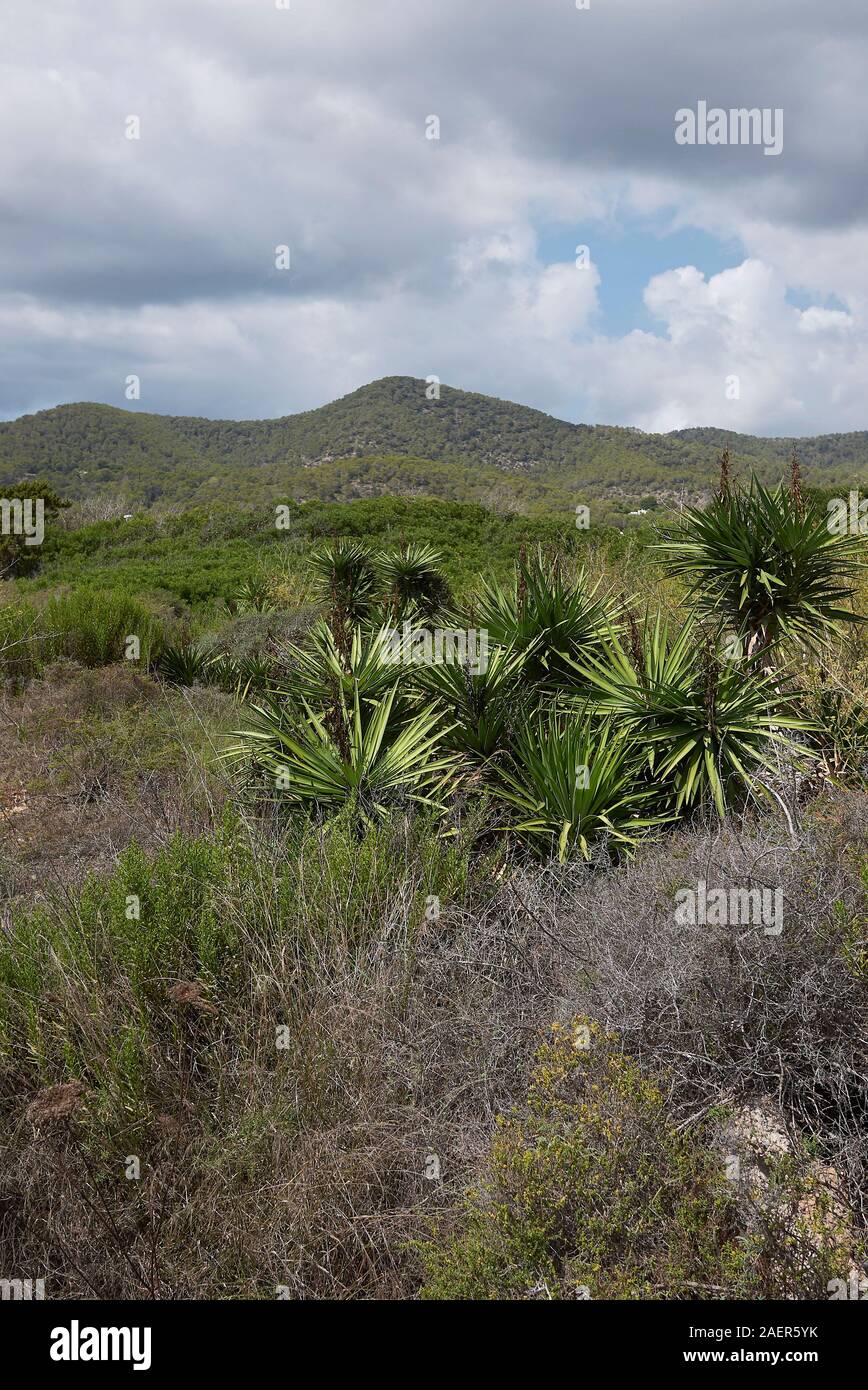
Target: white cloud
x=306 y=127
x=797 y=371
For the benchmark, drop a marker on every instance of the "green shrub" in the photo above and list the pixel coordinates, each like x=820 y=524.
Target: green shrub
x=82 y=977
x=89 y=626
x=592 y=1192
x=19 y=640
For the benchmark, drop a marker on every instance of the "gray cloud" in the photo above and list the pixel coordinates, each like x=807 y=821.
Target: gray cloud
x=261 y=127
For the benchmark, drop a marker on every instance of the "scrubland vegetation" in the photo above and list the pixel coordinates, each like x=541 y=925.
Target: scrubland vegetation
x=332 y=972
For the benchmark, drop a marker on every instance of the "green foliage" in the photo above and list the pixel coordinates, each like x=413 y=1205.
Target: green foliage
x=181 y=934
x=482 y=707
x=839 y=721
x=466 y=447
x=19 y=640
x=254 y=595
x=91 y=627
x=87 y=626
x=766 y=563
x=412 y=581
x=345 y=578
x=591 y=1192
x=365 y=663
x=186 y=665
x=85 y=985
x=202 y=558
x=546 y=617
x=16 y=556
x=572 y=783
x=706 y=721
x=346 y=715
x=342 y=758
x=354 y=580
x=191 y=663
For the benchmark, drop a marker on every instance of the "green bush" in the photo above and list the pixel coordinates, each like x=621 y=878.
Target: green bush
x=89 y=626
x=591 y=1192
x=19 y=640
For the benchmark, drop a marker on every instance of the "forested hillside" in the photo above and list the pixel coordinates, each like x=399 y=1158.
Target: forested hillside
x=389 y=438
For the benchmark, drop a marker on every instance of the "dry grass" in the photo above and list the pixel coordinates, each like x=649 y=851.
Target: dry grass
x=98 y=758
x=302 y=1166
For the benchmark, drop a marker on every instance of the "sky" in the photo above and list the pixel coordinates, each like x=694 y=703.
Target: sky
x=721 y=285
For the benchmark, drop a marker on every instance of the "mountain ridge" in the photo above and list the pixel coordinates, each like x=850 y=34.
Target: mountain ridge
x=89 y=449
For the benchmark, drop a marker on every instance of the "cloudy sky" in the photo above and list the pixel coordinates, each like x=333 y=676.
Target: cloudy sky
x=302 y=123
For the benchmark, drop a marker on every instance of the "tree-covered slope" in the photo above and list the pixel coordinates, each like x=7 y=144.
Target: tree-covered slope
x=461 y=445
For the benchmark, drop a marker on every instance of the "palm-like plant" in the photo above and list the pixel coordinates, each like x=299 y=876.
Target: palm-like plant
x=250 y=674
x=339 y=758
x=545 y=617
x=767 y=563
x=186 y=664
x=345 y=577
x=573 y=782
x=708 y=724
x=484 y=705
x=411 y=579
x=192 y=664
x=840 y=718
x=254 y=595
x=367 y=662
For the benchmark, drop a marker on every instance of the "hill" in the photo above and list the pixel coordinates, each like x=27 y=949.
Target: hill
x=388 y=437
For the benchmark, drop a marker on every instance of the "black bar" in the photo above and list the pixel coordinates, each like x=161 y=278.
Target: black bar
x=245 y=1337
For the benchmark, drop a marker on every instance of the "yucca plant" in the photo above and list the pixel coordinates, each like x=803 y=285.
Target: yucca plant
x=186 y=664
x=706 y=723
x=547 y=618
x=341 y=758
x=482 y=706
x=573 y=783
x=254 y=595
x=411 y=580
x=252 y=674
x=367 y=661
x=345 y=578
x=841 y=723
x=255 y=674
x=223 y=672
x=765 y=563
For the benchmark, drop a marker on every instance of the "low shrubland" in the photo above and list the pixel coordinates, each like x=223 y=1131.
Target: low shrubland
x=90 y=627
x=591 y=1191
x=305 y=1041
x=370 y=983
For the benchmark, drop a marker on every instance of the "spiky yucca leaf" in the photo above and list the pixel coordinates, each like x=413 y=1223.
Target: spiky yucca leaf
x=345 y=577
x=412 y=581
x=708 y=723
x=254 y=595
x=186 y=664
x=369 y=662
x=547 y=618
x=766 y=562
x=250 y=675
x=483 y=705
x=371 y=763
x=573 y=783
